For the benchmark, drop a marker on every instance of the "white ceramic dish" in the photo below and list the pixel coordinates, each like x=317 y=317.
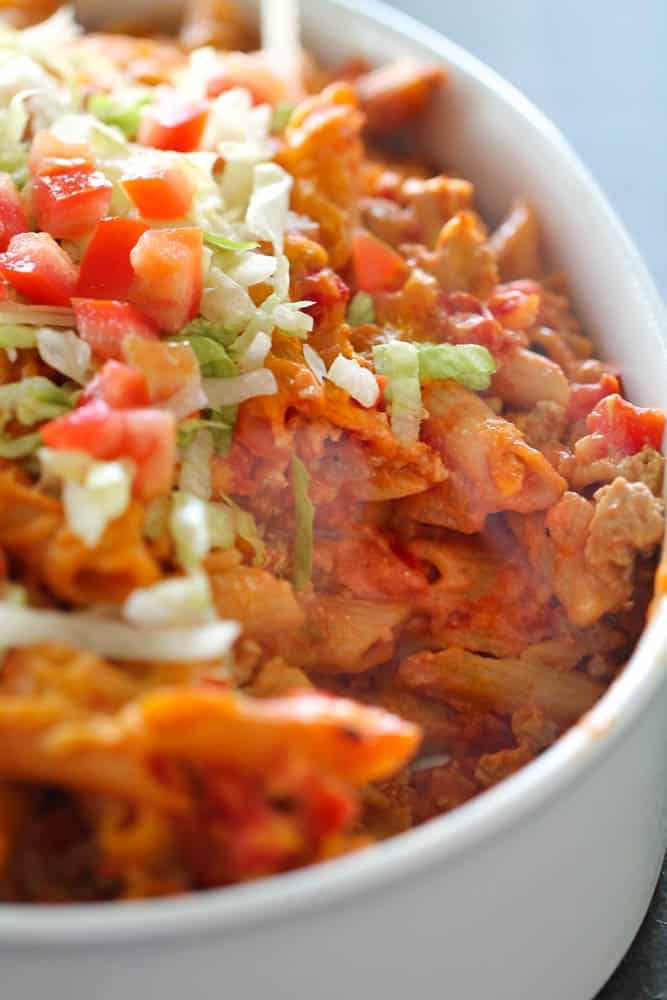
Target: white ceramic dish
x=537 y=887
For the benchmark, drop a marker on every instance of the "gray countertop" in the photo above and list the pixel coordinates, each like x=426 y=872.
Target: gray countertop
x=598 y=68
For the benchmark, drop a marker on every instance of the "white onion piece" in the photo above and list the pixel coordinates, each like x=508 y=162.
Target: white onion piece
x=20 y=626
x=314 y=362
x=361 y=384
x=230 y=391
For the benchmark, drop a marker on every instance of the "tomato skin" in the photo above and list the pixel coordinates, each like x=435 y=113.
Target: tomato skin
x=106 y=271
x=146 y=436
x=627 y=428
x=173 y=123
x=13 y=219
x=167 y=284
x=51 y=155
x=167 y=368
x=119 y=386
x=163 y=193
x=38 y=268
x=69 y=204
x=104 y=324
x=377 y=266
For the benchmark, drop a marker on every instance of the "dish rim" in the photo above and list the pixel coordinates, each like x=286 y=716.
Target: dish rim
x=447 y=838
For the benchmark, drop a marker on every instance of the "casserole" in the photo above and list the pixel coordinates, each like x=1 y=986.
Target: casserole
x=488 y=898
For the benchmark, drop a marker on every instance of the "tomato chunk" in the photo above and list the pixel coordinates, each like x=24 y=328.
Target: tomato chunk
x=168 y=276
x=51 y=155
x=584 y=395
x=377 y=266
x=627 y=428
x=106 y=271
x=166 y=367
x=119 y=386
x=13 y=219
x=38 y=268
x=68 y=204
x=173 y=123
x=146 y=436
x=104 y=324
x=162 y=193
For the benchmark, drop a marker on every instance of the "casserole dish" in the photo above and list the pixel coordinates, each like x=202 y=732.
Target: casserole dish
x=520 y=890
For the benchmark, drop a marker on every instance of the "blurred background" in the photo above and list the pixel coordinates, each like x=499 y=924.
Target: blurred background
x=598 y=68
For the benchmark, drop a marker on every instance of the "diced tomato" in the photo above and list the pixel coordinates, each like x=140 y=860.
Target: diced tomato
x=4 y=291
x=327 y=806
x=161 y=193
x=104 y=324
x=106 y=271
x=627 y=428
x=146 y=436
x=168 y=276
x=166 y=367
x=377 y=266
x=119 y=386
x=68 y=204
x=13 y=219
x=516 y=305
x=173 y=123
x=38 y=268
x=585 y=395
x=51 y=155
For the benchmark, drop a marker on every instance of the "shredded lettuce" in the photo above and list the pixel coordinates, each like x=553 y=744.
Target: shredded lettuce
x=18 y=447
x=255 y=353
x=226 y=301
x=156 y=518
x=34 y=400
x=188 y=525
x=269 y=203
x=249 y=268
x=94 y=493
x=221 y=527
x=65 y=352
x=246 y=529
x=122 y=110
x=178 y=601
x=303 y=529
x=213 y=329
x=221 y=243
x=231 y=391
x=469 y=364
x=13 y=335
x=358 y=381
x=282 y=113
x=399 y=362
x=18 y=312
x=219 y=422
x=213 y=358
x=195 y=474
x=117 y=640
x=361 y=310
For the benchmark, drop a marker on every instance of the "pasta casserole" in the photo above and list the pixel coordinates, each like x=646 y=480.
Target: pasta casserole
x=318 y=514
